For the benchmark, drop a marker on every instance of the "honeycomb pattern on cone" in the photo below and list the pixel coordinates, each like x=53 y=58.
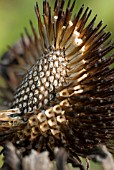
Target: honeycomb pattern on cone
x=38 y=87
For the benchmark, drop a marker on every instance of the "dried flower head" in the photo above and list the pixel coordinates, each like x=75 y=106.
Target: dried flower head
x=65 y=84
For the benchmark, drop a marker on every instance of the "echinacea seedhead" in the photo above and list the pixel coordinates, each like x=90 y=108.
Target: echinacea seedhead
x=63 y=92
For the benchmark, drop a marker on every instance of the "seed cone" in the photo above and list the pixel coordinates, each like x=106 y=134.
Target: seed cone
x=60 y=84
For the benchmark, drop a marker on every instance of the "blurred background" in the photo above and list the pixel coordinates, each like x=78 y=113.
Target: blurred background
x=15 y=15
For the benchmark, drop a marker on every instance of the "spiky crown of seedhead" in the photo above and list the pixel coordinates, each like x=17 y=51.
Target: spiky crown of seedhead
x=67 y=90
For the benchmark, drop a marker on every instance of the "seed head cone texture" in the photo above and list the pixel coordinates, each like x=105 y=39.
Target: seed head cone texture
x=59 y=84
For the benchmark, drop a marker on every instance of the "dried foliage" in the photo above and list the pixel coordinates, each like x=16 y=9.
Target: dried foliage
x=13 y=159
